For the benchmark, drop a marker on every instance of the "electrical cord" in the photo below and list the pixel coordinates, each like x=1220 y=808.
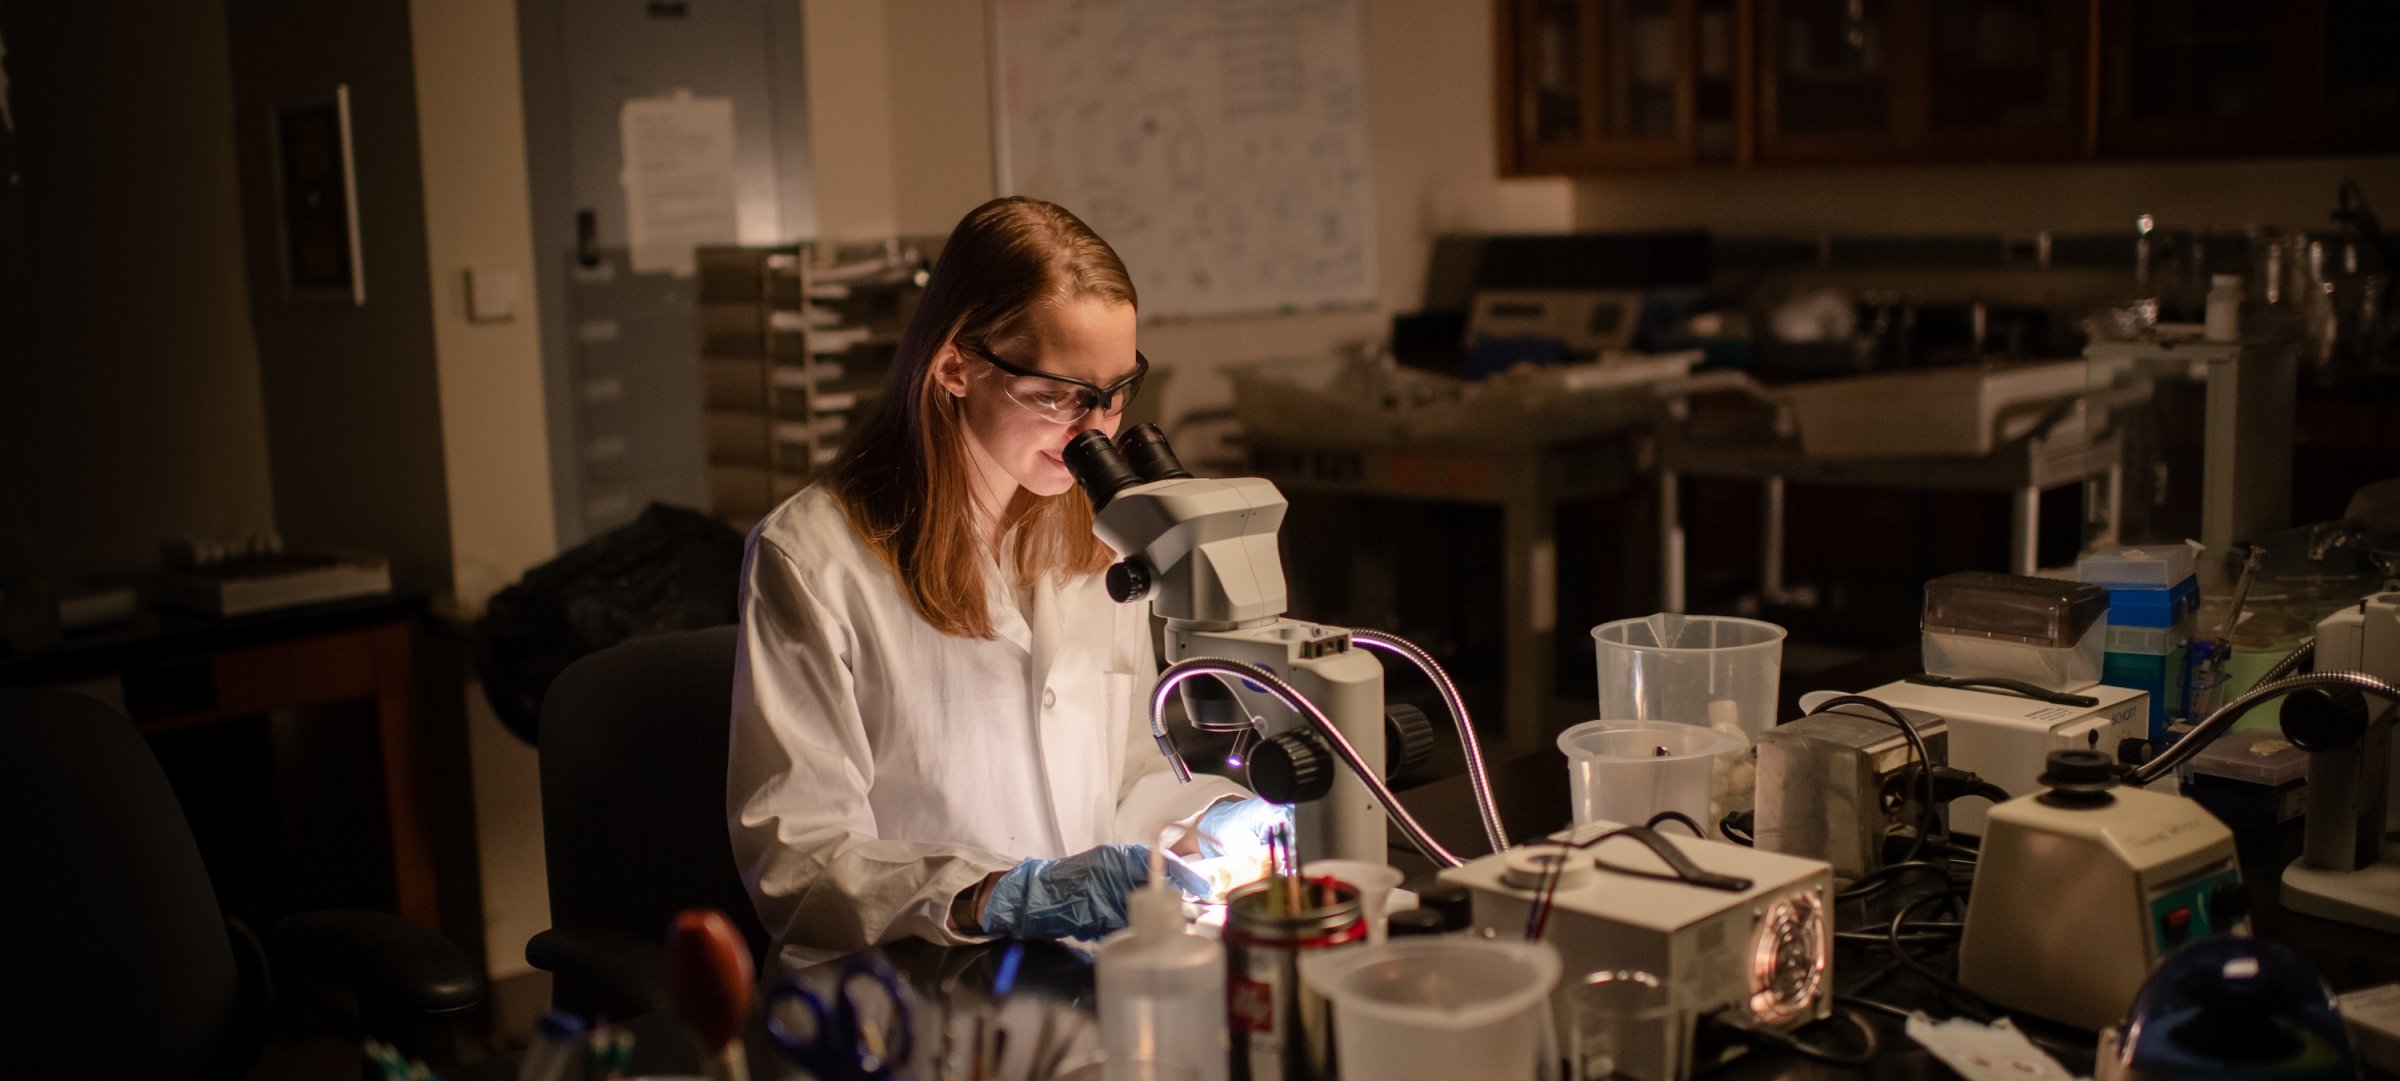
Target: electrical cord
x=1976 y=1006
x=1916 y=743
x=1879 y=879
x=1931 y=931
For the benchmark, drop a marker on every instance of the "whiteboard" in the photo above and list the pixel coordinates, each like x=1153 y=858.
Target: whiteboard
x=1220 y=146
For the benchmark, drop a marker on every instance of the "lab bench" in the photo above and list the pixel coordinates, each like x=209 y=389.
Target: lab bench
x=1532 y=797
x=176 y=672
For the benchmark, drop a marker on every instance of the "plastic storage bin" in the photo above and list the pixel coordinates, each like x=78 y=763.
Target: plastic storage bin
x=2050 y=633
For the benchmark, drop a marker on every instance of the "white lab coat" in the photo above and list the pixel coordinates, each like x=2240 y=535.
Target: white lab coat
x=880 y=767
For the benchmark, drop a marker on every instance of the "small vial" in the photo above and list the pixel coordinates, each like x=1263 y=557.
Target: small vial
x=2223 y=320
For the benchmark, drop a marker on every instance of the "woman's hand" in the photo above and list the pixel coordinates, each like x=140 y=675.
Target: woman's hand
x=1240 y=827
x=1081 y=896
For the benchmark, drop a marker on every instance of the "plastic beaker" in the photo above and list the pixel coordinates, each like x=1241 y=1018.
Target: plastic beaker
x=1461 y=1009
x=1717 y=671
x=1629 y=772
x=1622 y=1021
x=1373 y=881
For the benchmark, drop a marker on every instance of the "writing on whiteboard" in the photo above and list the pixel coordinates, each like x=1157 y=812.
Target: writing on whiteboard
x=1219 y=145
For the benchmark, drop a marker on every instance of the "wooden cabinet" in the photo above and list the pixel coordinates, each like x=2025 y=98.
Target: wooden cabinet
x=2003 y=79
x=2188 y=78
x=1827 y=90
x=1592 y=85
x=1589 y=86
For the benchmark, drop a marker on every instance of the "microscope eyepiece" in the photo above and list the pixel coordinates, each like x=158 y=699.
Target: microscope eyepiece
x=1145 y=448
x=1096 y=464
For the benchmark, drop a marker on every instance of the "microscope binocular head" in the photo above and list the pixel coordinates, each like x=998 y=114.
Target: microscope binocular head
x=1202 y=550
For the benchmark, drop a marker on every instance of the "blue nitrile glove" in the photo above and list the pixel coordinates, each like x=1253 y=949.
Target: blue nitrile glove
x=1240 y=827
x=1081 y=896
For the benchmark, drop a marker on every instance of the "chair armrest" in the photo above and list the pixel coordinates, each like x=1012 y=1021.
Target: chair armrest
x=394 y=967
x=602 y=972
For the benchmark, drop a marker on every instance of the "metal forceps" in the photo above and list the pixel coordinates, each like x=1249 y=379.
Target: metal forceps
x=860 y=1030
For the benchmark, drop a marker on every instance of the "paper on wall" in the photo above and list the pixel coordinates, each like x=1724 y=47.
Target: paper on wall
x=678 y=177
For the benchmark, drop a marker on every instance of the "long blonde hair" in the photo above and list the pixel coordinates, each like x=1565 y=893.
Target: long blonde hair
x=903 y=477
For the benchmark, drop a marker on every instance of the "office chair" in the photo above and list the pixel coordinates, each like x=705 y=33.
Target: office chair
x=124 y=963
x=633 y=816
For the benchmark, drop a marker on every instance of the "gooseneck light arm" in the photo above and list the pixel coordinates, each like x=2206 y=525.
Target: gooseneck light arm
x=1284 y=692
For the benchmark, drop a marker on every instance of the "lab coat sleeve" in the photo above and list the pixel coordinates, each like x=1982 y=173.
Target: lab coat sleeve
x=799 y=769
x=1148 y=796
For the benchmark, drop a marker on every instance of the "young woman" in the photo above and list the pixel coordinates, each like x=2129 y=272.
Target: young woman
x=939 y=723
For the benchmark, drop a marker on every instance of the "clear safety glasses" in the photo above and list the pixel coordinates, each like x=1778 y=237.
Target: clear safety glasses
x=1064 y=399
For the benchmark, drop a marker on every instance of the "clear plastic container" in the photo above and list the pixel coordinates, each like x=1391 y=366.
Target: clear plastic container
x=1162 y=992
x=2047 y=632
x=1716 y=671
x=2155 y=566
x=1451 y=1007
x=1631 y=771
x=2033 y=611
x=1967 y=656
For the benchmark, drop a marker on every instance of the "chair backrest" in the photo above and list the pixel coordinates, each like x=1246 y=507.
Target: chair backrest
x=633 y=743
x=123 y=955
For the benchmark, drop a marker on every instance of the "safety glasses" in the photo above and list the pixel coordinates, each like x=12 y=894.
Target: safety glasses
x=1064 y=399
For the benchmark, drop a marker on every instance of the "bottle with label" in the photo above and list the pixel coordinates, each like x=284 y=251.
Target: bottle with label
x=2223 y=318
x=1162 y=990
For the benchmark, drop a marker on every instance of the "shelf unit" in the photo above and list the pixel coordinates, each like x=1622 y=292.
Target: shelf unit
x=795 y=344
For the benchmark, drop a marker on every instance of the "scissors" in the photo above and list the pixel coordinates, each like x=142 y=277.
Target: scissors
x=858 y=1031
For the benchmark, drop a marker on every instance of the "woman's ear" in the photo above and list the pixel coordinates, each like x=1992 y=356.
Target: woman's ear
x=950 y=370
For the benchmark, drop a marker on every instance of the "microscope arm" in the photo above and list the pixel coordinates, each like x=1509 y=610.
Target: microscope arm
x=1299 y=703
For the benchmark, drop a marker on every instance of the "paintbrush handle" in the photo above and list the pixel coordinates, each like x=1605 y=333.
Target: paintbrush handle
x=726 y=1063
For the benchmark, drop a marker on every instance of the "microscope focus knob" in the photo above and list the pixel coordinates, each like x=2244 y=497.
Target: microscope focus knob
x=1407 y=740
x=1128 y=581
x=1291 y=768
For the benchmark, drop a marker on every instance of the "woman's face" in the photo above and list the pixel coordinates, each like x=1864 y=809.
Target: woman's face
x=1090 y=339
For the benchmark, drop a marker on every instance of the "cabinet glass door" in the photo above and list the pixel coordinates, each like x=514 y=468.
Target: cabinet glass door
x=2196 y=76
x=1828 y=90
x=2361 y=42
x=2005 y=77
x=1644 y=72
x=1554 y=72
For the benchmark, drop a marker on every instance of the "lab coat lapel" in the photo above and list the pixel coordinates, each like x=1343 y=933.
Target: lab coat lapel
x=1060 y=692
x=1008 y=621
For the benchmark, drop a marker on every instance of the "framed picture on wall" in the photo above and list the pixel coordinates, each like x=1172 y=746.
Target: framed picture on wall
x=317 y=192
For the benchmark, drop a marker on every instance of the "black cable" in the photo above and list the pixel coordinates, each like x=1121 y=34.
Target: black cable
x=1874 y=882
x=1881 y=1007
x=1916 y=743
x=1977 y=1006
x=1934 y=931
x=1679 y=818
x=1790 y=1041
